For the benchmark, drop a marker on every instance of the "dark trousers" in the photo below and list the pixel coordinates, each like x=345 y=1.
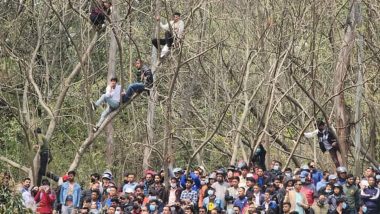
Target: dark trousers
x=133 y=88
x=167 y=41
x=97 y=19
x=44 y=160
x=334 y=157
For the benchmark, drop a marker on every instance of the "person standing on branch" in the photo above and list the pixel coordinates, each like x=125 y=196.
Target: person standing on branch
x=111 y=97
x=45 y=155
x=174 y=32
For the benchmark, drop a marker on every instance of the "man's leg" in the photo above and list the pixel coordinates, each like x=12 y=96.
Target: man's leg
x=168 y=39
x=334 y=157
x=103 y=116
x=102 y=99
x=155 y=43
x=44 y=158
x=133 y=88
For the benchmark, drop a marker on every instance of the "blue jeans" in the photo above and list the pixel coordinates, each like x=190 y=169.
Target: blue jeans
x=136 y=87
x=112 y=105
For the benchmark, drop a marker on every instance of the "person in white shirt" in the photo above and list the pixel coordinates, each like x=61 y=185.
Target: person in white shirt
x=111 y=97
x=172 y=32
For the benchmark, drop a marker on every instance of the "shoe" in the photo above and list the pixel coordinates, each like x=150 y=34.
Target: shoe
x=95 y=128
x=164 y=51
x=93 y=106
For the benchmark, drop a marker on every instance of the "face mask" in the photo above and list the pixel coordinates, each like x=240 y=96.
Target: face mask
x=364 y=209
x=321 y=202
x=328 y=191
x=276 y=167
x=117 y=212
x=152 y=208
x=203 y=183
x=344 y=205
x=93 y=180
x=303 y=180
x=288 y=174
x=173 y=185
x=210 y=192
x=258 y=150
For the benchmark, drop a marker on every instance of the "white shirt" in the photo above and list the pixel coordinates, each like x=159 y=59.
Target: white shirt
x=177 y=27
x=114 y=93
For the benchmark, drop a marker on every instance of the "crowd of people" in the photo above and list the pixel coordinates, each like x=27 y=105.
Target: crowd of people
x=240 y=189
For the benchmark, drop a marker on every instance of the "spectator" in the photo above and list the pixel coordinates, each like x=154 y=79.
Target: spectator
x=45 y=198
x=212 y=202
x=316 y=175
x=335 y=198
x=352 y=193
x=320 y=205
x=297 y=199
x=70 y=195
x=129 y=183
x=189 y=196
x=241 y=201
x=370 y=197
x=27 y=198
x=220 y=186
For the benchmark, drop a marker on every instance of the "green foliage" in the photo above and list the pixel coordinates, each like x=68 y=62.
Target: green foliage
x=11 y=203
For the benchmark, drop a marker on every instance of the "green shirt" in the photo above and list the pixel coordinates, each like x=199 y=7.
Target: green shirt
x=43 y=143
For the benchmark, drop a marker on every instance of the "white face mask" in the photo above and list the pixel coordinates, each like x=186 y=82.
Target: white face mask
x=210 y=192
x=173 y=185
x=276 y=167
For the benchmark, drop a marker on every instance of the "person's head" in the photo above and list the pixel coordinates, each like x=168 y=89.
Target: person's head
x=235 y=181
x=322 y=200
x=86 y=203
x=260 y=172
x=286 y=207
x=71 y=175
x=369 y=172
x=167 y=210
x=214 y=211
x=342 y=172
x=45 y=182
x=111 y=210
x=288 y=172
x=144 y=210
x=173 y=182
x=202 y=210
x=267 y=195
x=371 y=181
x=153 y=205
x=350 y=179
x=138 y=63
x=112 y=191
x=276 y=166
x=250 y=182
x=149 y=177
x=241 y=192
x=219 y=177
x=5 y=178
x=95 y=177
x=139 y=190
x=26 y=183
x=157 y=179
x=332 y=179
x=197 y=172
x=188 y=210
x=113 y=81
x=329 y=188
x=236 y=210
x=251 y=208
x=325 y=175
x=256 y=188
x=189 y=183
x=106 y=4
x=118 y=209
x=176 y=16
x=277 y=182
x=298 y=185
x=95 y=195
x=337 y=189
x=321 y=125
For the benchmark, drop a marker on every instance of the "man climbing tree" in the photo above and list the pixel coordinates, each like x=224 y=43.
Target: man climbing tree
x=174 y=32
x=99 y=13
x=111 y=97
x=146 y=80
x=327 y=142
x=45 y=155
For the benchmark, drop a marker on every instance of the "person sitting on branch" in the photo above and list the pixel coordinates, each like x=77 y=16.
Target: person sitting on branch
x=111 y=97
x=99 y=13
x=172 y=33
x=145 y=83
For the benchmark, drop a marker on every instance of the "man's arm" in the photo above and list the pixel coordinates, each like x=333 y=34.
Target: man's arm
x=181 y=29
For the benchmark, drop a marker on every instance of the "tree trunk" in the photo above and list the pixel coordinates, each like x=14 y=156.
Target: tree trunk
x=339 y=79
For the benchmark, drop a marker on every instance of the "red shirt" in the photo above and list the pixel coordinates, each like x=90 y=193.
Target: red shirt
x=45 y=202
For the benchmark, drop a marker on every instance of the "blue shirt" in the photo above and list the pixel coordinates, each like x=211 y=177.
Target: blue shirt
x=75 y=193
x=241 y=202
